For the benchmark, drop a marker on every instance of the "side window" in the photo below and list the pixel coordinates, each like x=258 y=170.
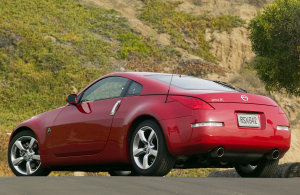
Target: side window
x=134 y=89
x=110 y=87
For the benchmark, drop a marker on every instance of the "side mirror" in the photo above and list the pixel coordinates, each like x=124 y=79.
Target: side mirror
x=72 y=99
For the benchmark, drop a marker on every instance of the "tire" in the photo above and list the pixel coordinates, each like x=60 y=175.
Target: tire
x=122 y=173
x=264 y=168
x=24 y=156
x=148 y=151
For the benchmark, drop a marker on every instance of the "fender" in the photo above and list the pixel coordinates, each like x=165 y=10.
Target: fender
x=39 y=125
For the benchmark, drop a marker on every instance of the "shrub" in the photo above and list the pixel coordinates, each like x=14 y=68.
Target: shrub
x=275 y=35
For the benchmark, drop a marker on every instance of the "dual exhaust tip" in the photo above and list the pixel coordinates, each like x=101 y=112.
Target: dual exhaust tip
x=273 y=155
x=219 y=153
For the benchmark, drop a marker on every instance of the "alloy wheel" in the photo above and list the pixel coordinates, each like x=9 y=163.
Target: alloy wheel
x=145 y=147
x=25 y=156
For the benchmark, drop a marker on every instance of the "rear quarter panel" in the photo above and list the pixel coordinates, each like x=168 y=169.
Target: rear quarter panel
x=134 y=107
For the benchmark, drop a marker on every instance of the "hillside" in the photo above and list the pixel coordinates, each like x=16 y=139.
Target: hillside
x=50 y=48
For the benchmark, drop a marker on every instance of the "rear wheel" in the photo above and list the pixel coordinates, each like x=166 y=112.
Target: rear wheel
x=264 y=168
x=24 y=155
x=148 y=151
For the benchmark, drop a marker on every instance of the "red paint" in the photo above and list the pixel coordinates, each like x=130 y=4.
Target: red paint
x=86 y=133
x=82 y=129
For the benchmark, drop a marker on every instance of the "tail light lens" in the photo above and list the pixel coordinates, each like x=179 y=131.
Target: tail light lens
x=192 y=103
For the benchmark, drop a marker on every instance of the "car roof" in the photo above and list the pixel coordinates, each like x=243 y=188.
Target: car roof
x=136 y=73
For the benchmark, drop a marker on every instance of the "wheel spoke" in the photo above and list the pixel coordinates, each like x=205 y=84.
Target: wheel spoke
x=151 y=136
x=153 y=152
x=31 y=143
x=145 y=161
x=138 y=151
x=36 y=157
x=28 y=168
x=17 y=161
x=142 y=137
x=19 y=145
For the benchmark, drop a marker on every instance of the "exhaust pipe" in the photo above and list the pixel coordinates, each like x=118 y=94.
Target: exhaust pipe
x=273 y=155
x=217 y=152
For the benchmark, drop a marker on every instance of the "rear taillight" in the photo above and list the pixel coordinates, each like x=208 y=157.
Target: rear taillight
x=192 y=103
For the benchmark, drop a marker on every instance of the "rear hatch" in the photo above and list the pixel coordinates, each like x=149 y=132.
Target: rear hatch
x=209 y=91
x=233 y=97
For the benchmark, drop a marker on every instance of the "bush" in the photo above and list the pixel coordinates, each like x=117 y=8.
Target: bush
x=275 y=35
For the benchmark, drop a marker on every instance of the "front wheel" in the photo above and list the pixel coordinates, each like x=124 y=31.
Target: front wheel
x=24 y=155
x=148 y=151
x=264 y=168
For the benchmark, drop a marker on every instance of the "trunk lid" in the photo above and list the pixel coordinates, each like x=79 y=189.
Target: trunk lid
x=230 y=97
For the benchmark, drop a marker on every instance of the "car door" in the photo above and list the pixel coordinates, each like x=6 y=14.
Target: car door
x=83 y=129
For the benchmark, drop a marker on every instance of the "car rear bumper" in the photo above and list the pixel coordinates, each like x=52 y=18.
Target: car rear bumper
x=183 y=139
x=203 y=139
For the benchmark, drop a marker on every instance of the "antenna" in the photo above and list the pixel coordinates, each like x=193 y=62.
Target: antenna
x=169 y=89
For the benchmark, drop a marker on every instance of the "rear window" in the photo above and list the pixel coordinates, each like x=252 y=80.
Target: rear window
x=134 y=89
x=190 y=83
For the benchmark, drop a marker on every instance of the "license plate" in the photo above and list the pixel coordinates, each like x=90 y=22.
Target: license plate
x=248 y=120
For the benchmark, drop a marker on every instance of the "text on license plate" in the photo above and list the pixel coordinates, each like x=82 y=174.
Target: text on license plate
x=248 y=120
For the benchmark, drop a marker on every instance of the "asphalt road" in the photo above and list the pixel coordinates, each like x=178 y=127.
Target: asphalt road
x=146 y=185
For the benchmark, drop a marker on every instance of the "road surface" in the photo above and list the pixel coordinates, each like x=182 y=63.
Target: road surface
x=147 y=185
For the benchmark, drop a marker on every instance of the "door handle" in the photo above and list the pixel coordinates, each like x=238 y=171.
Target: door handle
x=115 y=108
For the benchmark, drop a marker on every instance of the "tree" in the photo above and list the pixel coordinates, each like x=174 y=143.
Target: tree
x=275 y=37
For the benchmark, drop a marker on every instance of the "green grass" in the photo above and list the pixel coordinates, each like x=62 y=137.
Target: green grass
x=225 y=23
x=187 y=31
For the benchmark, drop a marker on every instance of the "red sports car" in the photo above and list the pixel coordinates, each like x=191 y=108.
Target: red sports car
x=148 y=123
